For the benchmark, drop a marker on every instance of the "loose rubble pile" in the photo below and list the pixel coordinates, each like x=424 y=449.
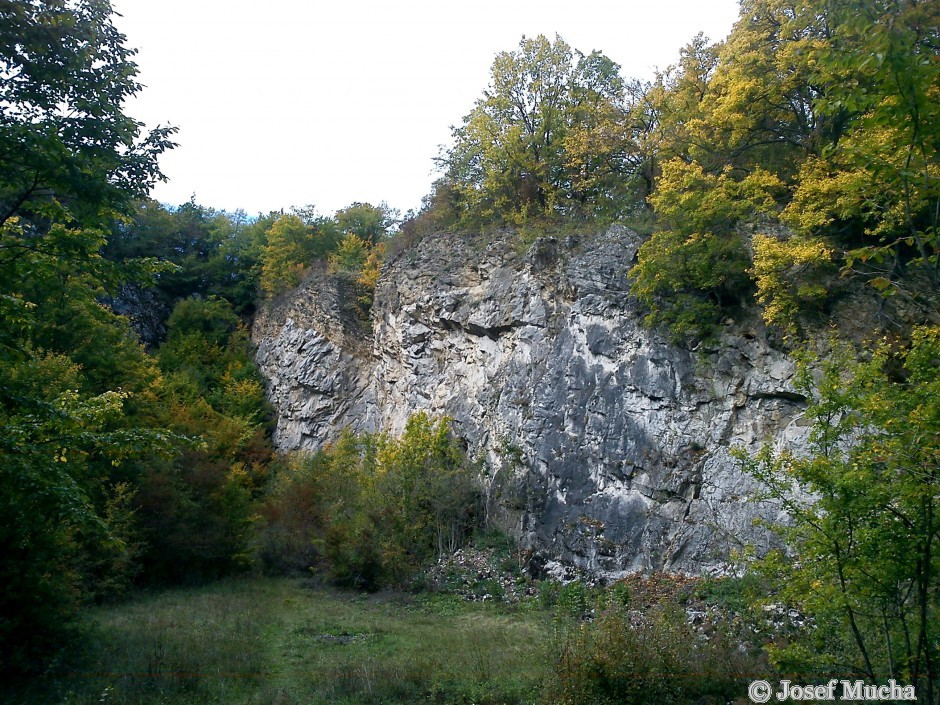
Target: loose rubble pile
x=481 y=575
x=779 y=616
x=491 y=575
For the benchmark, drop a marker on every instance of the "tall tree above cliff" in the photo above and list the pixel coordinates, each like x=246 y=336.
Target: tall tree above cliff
x=833 y=109
x=881 y=180
x=371 y=223
x=548 y=138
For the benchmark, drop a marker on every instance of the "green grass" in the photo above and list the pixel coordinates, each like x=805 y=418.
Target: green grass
x=274 y=641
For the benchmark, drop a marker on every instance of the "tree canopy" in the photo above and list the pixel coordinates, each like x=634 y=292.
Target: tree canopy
x=836 y=107
x=74 y=381
x=68 y=149
x=548 y=138
x=804 y=142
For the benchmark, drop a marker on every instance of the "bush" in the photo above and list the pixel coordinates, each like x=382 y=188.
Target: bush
x=689 y=281
x=790 y=278
x=626 y=657
x=573 y=600
x=371 y=510
x=195 y=510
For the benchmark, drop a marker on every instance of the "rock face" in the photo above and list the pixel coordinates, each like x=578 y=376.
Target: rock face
x=603 y=445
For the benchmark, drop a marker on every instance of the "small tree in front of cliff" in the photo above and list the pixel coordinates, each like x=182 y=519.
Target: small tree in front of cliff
x=372 y=510
x=866 y=551
x=428 y=497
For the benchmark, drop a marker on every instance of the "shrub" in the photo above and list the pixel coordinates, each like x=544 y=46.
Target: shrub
x=624 y=657
x=788 y=277
x=688 y=281
x=370 y=509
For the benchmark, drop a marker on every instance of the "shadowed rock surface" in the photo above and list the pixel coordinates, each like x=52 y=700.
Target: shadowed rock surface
x=604 y=446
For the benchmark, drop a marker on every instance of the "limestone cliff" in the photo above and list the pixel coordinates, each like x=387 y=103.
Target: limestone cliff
x=603 y=445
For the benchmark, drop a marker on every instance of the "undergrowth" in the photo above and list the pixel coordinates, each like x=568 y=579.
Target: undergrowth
x=280 y=641
x=287 y=640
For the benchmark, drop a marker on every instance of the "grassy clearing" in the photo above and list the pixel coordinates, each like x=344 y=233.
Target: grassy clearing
x=274 y=641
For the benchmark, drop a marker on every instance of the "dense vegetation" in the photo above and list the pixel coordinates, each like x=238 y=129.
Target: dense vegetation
x=124 y=467
x=273 y=640
x=372 y=510
x=863 y=556
x=822 y=117
x=772 y=172
x=263 y=640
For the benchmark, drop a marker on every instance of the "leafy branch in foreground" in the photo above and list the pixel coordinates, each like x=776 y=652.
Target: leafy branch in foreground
x=865 y=510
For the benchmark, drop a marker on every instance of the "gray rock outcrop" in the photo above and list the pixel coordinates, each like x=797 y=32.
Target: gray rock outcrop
x=604 y=446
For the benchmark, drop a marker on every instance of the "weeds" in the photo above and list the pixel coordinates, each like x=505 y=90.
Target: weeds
x=624 y=656
x=263 y=640
x=260 y=641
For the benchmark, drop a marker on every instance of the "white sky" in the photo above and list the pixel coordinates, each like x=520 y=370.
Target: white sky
x=287 y=102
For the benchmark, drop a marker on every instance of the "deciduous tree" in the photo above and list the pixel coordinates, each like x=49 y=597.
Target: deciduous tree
x=865 y=507
x=547 y=139
x=72 y=380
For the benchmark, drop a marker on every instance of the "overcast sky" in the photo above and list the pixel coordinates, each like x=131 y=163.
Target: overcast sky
x=289 y=102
